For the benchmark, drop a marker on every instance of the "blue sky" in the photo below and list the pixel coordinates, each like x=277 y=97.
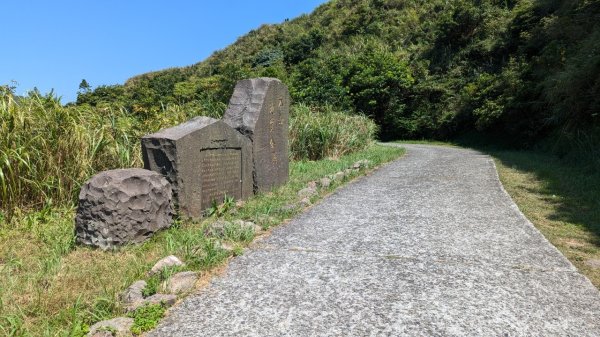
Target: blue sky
x=55 y=44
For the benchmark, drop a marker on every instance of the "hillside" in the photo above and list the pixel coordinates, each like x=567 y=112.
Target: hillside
x=527 y=71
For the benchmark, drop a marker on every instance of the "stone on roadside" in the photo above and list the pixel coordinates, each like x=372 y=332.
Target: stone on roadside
x=217 y=228
x=305 y=202
x=225 y=246
x=593 y=263
x=339 y=176
x=133 y=294
x=266 y=220
x=165 y=300
x=180 y=283
x=169 y=261
x=102 y=333
x=361 y=164
x=258 y=229
x=244 y=224
x=312 y=184
x=121 y=207
x=120 y=325
x=259 y=109
x=325 y=182
x=307 y=192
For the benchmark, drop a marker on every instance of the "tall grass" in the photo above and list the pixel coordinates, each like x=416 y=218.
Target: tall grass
x=317 y=133
x=48 y=150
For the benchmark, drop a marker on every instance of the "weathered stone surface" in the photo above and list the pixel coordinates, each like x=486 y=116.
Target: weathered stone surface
x=365 y=163
x=121 y=207
x=169 y=261
x=180 y=283
x=325 y=182
x=245 y=224
x=266 y=220
x=225 y=246
x=204 y=159
x=259 y=108
x=166 y=300
x=133 y=294
x=217 y=228
x=339 y=176
x=307 y=192
x=102 y=333
x=305 y=202
x=121 y=326
x=593 y=263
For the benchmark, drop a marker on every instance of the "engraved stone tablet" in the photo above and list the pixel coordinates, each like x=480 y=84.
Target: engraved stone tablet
x=259 y=109
x=204 y=159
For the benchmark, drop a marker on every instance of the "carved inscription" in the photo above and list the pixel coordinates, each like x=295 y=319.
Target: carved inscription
x=221 y=174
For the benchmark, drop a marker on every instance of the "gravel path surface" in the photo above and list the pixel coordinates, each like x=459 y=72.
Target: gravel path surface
x=429 y=245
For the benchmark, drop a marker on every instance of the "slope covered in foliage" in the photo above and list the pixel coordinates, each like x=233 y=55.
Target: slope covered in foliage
x=524 y=70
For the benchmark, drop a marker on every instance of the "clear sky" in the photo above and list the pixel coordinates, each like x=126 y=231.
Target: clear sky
x=54 y=44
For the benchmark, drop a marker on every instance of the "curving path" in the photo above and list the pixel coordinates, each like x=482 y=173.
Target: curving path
x=429 y=245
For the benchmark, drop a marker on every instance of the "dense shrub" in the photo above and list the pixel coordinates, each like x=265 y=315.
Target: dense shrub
x=317 y=133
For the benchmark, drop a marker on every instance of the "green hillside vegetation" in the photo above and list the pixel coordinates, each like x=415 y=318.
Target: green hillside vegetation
x=523 y=72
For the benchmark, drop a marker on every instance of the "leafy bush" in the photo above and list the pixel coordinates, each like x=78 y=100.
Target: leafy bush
x=317 y=133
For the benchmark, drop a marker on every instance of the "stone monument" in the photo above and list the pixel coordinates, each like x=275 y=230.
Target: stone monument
x=259 y=109
x=204 y=160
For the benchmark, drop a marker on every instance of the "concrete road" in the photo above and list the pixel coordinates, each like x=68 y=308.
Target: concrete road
x=429 y=245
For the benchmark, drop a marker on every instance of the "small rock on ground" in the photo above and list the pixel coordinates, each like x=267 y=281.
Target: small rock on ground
x=166 y=300
x=325 y=182
x=225 y=246
x=339 y=176
x=180 y=283
x=305 y=202
x=169 y=261
x=245 y=224
x=133 y=294
x=266 y=221
x=307 y=192
x=312 y=184
x=593 y=263
x=361 y=164
x=217 y=228
x=121 y=325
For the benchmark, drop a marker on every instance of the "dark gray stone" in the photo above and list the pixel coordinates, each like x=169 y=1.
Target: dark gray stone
x=121 y=207
x=204 y=159
x=259 y=108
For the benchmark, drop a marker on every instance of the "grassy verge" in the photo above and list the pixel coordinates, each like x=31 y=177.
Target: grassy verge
x=561 y=199
x=49 y=287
